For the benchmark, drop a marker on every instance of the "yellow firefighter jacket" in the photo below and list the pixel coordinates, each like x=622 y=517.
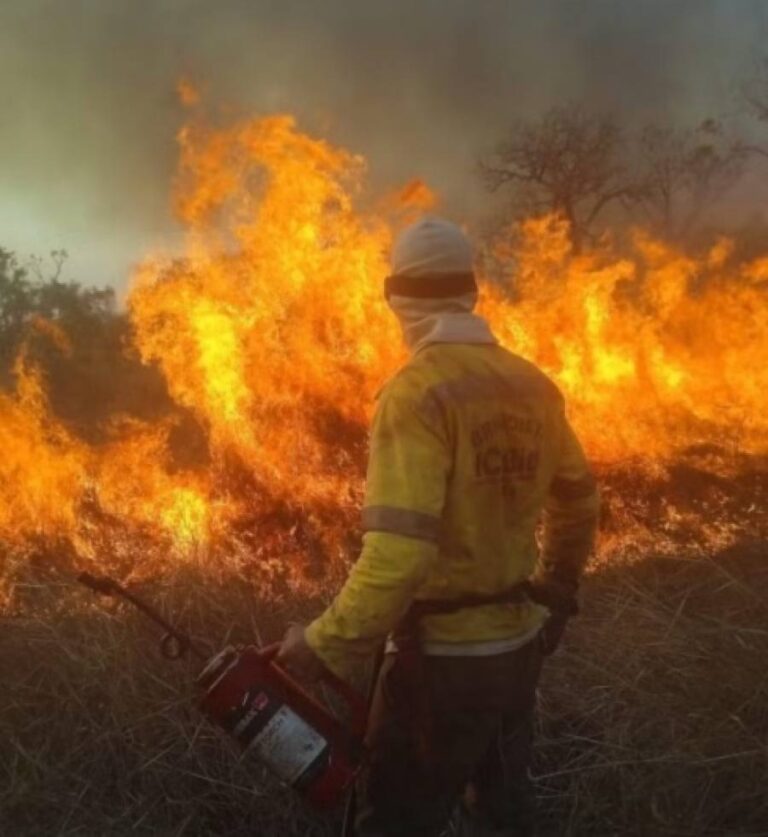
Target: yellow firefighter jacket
x=469 y=445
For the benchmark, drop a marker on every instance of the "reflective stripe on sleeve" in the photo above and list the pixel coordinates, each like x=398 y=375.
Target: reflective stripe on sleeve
x=412 y=524
x=564 y=489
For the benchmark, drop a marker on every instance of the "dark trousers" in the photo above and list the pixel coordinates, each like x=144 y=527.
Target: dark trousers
x=481 y=718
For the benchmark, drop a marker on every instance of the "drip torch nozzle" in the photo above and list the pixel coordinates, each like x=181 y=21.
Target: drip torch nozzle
x=100 y=584
x=174 y=644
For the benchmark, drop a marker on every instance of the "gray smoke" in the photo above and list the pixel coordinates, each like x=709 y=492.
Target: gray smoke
x=89 y=111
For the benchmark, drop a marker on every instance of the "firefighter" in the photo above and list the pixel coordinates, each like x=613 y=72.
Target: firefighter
x=470 y=448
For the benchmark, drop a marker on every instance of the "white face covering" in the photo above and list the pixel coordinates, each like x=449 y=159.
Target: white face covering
x=448 y=320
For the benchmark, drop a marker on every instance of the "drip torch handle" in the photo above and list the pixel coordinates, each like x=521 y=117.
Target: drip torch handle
x=356 y=703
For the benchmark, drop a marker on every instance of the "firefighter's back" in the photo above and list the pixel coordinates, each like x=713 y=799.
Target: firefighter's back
x=502 y=422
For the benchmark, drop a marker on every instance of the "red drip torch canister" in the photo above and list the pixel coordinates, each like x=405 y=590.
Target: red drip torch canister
x=268 y=713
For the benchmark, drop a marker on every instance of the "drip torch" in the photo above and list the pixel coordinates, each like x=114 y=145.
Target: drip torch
x=243 y=691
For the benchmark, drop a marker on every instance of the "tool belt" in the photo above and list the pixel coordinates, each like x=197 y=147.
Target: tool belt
x=407 y=638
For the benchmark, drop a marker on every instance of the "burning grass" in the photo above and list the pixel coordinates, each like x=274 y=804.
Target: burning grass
x=652 y=716
x=273 y=338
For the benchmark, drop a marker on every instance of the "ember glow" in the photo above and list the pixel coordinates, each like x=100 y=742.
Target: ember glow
x=272 y=333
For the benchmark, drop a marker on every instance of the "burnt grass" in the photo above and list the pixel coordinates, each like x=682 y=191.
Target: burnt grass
x=653 y=715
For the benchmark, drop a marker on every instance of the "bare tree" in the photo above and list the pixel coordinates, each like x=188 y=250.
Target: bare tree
x=755 y=93
x=570 y=162
x=681 y=173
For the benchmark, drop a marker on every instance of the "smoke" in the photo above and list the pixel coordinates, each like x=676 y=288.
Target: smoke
x=420 y=88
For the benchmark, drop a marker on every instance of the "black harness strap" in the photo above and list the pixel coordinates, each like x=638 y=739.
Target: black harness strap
x=518 y=593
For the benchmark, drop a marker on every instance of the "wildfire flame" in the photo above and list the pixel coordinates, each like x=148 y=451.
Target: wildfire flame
x=271 y=330
x=655 y=351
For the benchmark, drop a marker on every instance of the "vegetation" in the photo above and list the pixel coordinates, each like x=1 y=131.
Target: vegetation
x=652 y=715
x=570 y=162
x=80 y=341
x=597 y=173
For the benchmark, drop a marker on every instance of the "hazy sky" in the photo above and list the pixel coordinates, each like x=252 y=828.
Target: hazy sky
x=89 y=112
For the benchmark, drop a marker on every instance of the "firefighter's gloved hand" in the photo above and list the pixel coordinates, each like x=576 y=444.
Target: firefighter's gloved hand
x=296 y=655
x=560 y=599
x=551 y=634
x=555 y=595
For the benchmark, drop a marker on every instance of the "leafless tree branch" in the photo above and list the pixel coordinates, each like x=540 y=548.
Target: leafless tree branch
x=569 y=162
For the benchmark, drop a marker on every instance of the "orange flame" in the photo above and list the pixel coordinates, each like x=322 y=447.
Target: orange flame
x=43 y=469
x=656 y=351
x=272 y=331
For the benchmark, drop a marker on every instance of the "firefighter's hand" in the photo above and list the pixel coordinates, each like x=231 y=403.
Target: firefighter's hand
x=554 y=594
x=296 y=655
x=551 y=634
x=560 y=599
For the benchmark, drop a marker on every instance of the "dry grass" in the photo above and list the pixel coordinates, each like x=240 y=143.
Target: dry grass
x=654 y=716
x=98 y=733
